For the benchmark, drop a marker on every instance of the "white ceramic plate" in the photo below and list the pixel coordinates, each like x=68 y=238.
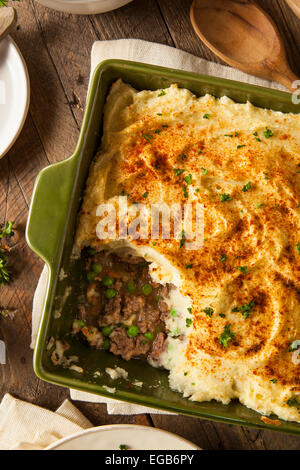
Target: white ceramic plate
x=14 y=93
x=84 y=7
x=134 y=437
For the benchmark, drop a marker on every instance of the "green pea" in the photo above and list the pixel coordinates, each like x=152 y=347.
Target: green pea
x=80 y=323
x=148 y=335
x=110 y=293
x=107 y=281
x=97 y=268
x=147 y=289
x=90 y=276
x=107 y=330
x=133 y=331
x=106 y=344
x=131 y=287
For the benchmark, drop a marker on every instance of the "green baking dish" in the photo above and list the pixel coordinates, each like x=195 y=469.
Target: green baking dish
x=50 y=229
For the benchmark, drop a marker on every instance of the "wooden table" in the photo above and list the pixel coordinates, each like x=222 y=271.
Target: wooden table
x=57 y=48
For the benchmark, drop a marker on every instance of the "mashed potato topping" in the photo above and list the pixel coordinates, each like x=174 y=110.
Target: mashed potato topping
x=237 y=299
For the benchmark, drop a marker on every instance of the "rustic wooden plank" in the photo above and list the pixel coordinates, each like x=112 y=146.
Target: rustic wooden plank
x=177 y=17
x=289 y=27
x=140 y=20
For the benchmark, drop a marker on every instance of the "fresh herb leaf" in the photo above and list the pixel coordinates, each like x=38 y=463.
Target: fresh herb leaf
x=246 y=309
x=208 y=311
x=188 y=179
x=240 y=146
x=298 y=248
x=273 y=380
x=123 y=447
x=226 y=336
x=222 y=315
x=7 y=230
x=188 y=266
x=148 y=138
x=293 y=402
x=182 y=241
x=243 y=269
x=162 y=93
x=295 y=345
x=178 y=171
x=173 y=313
x=188 y=322
x=145 y=195
x=268 y=133
x=223 y=258
x=206 y=116
x=185 y=193
x=204 y=171
x=247 y=187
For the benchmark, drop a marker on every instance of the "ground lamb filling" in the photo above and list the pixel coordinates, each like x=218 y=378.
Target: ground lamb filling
x=123 y=310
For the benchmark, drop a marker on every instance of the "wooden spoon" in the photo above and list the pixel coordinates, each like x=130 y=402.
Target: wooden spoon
x=8 y=19
x=243 y=35
x=295 y=6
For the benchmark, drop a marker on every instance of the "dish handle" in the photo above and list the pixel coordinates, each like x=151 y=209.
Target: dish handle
x=49 y=209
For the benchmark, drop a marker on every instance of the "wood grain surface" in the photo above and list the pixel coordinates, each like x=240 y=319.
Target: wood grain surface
x=56 y=47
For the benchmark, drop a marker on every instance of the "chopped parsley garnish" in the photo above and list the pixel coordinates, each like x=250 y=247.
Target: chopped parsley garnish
x=222 y=315
x=204 y=171
x=159 y=114
x=247 y=187
x=273 y=380
x=183 y=156
x=228 y=135
x=185 y=193
x=243 y=269
x=225 y=197
x=157 y=131
x=162 y=93
x=246 y=309
x=206 y=116
x=199 y=152
x=240 y=146
x=145 y=195
x=223 y=258
x=189 y=309
x=298 y=248
x=182 y=241
x=236 y=134
x=148 y=138
x=257 y=139
x=178 y=171
x=255 y=133
x=188 y=179
x=188 y=322
x=188 y=266
x=226 y=336
x=295 y=345
x=293 y=402
x=208 y=311
x=259 y=205
x=185 y=374
x=268 y=133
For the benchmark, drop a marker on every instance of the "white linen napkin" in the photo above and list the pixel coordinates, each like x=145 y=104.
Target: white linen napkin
x=24 y=426
x=155 y=54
